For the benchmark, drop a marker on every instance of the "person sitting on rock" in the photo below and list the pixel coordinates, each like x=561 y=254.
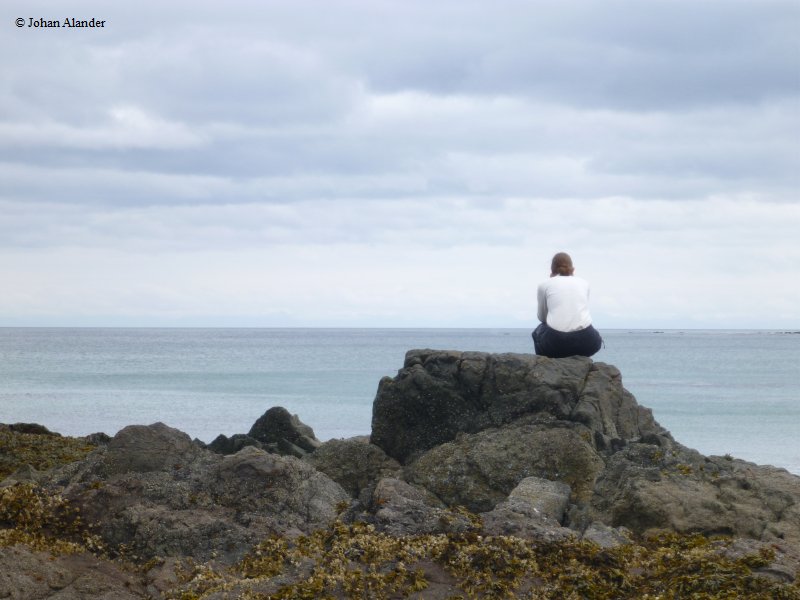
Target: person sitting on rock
x=566 y=326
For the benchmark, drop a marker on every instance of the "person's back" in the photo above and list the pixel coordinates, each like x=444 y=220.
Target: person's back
x=564 y=303
x=563 y=309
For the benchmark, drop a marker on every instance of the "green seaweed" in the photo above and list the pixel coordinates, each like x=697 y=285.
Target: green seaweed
x=44 y=521
x=40 y=451
x=356 y=561
x=359 y=562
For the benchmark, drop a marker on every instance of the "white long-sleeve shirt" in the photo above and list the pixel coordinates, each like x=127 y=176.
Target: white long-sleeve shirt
x=564 y=303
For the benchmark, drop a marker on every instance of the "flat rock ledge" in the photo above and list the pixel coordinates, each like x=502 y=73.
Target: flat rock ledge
x=462 y=444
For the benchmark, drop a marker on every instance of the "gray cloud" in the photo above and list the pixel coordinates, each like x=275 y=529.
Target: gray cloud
x=473 y=129
x=619 y=54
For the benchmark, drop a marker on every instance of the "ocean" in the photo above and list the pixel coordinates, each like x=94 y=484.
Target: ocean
x=721 y=392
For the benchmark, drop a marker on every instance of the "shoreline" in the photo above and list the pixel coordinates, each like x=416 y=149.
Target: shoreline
x=475 y=462
x=416 y=566
x=205 y=382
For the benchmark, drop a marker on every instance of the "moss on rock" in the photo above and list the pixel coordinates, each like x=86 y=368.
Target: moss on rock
x=42 y=450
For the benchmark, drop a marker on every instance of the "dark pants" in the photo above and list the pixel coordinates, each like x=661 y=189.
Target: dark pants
x=558 y=344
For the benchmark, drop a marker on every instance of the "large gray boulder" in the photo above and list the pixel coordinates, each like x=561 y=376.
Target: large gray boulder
x=354 y=463
x=439 y=394
x=470 y=427
x=155 y=493
x=479 y=470
x=280 y=492
x=645 y=488
x=144 y=449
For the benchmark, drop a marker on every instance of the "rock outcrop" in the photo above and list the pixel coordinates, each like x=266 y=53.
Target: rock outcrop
x=471 y=427
x=677 y=489
x=437 y=395
x=276 y=431
x=463 y=444
x=156 y=493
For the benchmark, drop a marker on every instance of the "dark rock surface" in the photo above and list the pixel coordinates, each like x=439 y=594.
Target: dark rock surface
x=276 y=431
x=479 y=470
x=401 y=508
x=33 y=428
x=646 y=487
x=223 y=444
x=470 y=427
x=536 y=448
x=157 y=493
x=97 y=439
x=439 y=394
x=355 y=464
x=284 y=433
x=25 y=573
x=144 y=449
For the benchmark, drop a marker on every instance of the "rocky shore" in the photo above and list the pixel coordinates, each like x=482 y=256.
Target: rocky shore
x=485 y=475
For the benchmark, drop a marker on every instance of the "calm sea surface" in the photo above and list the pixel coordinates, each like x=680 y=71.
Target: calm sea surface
x=735 y=392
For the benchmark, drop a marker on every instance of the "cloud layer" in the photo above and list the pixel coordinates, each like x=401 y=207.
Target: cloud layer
x=400 y=163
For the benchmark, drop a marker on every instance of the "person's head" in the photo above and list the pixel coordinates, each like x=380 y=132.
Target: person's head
x=561 y=265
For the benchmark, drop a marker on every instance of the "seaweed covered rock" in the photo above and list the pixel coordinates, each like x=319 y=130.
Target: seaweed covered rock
x=28 y=447
x=155 y=493
x=545 y=453
x=33 y=428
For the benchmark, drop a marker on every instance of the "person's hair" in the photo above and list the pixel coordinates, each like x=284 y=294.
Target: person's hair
x=562 y=264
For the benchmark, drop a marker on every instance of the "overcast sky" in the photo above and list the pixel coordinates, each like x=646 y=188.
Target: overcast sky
x=399 y=163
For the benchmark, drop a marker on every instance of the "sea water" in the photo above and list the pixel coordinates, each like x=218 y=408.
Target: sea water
x=721 y=392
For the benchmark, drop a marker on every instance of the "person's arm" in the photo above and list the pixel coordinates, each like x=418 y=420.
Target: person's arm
x=541 y=297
